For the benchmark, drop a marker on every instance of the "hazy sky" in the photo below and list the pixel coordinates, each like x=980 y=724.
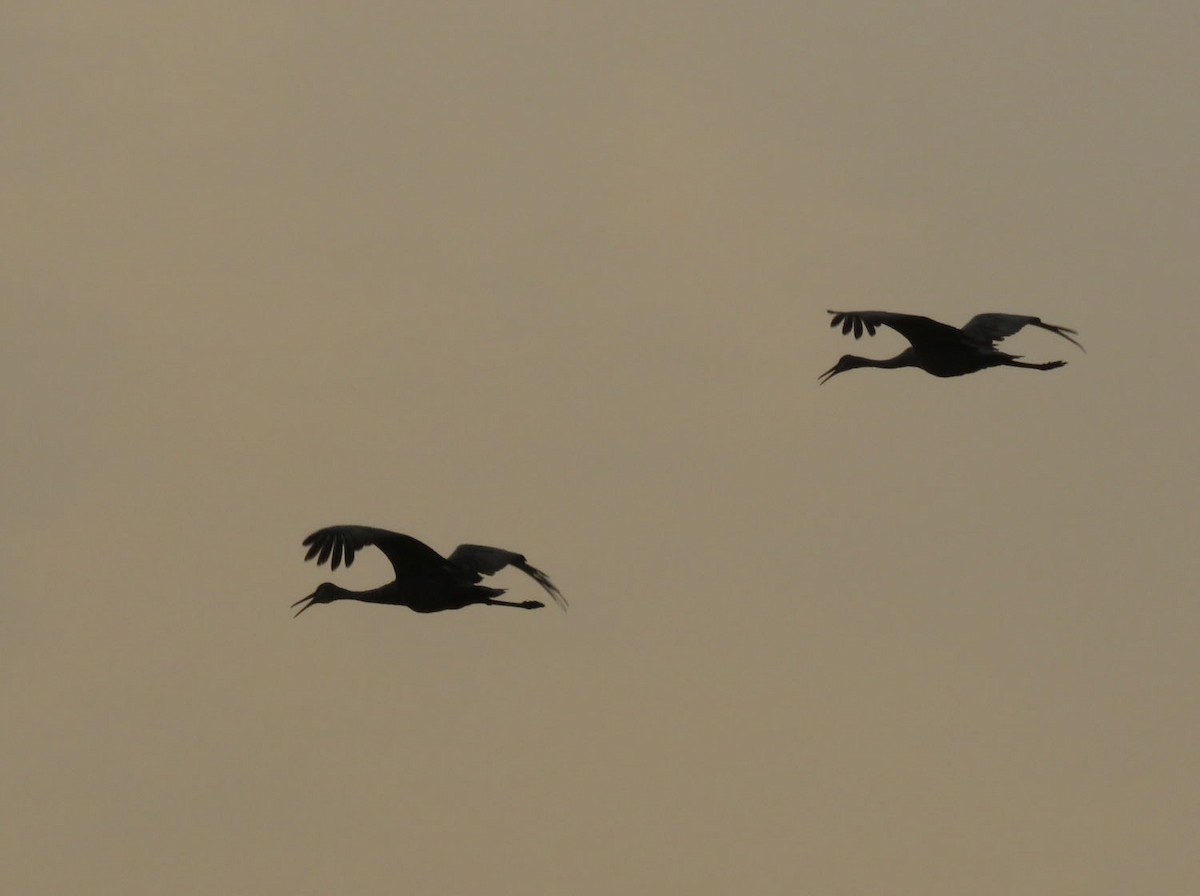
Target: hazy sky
x=554 y=277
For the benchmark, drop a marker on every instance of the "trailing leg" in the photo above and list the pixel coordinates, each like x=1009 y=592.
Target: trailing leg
x=523 y=605
x=1049 y=365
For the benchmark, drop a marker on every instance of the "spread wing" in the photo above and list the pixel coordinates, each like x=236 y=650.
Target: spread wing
x=485 y=561
x=408 y=556
x=991 y=328
x=914 y=328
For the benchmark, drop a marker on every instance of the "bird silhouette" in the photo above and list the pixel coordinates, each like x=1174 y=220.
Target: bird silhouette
x=939 y=348
x=426 y=582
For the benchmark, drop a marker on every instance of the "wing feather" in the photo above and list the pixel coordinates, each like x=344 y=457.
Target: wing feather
x=408 y=556
x=484 y=560
x=993 y=327
x=914 y=328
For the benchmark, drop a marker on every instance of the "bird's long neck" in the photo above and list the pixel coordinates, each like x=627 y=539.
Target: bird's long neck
x=906 y=358
x=381 y=595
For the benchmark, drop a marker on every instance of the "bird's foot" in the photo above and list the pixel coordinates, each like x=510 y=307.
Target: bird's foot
x=532 y=604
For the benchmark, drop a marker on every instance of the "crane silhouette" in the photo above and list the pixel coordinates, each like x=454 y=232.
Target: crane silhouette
x=426 y=582
x=939 y=348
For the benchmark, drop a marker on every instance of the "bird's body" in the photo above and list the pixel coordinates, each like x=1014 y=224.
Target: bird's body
x=941 y=349
x=426 y=582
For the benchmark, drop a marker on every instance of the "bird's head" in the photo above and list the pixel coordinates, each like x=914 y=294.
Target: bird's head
x=845 y=362
x=326 y=593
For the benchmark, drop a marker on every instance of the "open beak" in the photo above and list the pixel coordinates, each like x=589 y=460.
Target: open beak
x=306 y=606
x=827 y=375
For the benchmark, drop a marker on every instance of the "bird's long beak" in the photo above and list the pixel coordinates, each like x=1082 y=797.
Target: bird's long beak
x=827 y=375
x=306 y=606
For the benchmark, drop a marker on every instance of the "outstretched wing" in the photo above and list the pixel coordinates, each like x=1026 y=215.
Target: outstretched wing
x=991 y=328
x=408 y=556
x=485 y=561
x=916 y=329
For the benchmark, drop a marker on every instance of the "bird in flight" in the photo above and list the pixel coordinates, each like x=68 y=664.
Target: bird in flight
x=426 y=582
x=939 y=348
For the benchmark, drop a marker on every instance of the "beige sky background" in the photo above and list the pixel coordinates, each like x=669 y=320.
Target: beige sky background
x=554 y=277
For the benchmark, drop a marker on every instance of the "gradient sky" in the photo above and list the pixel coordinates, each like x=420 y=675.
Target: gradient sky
x=554 y=277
